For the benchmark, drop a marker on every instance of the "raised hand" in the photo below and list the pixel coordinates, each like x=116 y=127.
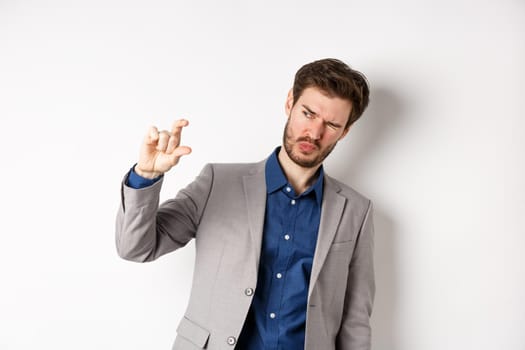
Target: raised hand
x=161 y=151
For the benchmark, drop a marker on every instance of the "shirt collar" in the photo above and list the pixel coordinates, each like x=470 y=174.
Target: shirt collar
x=275 y=178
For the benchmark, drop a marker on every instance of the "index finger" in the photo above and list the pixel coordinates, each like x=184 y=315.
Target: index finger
x=178 y=125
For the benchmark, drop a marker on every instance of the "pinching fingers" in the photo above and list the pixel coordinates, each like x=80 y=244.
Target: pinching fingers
x=179 y=152
x=173 y=143
x=178 y=125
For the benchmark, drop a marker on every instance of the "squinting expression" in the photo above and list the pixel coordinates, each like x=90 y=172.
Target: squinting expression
x=316 y=122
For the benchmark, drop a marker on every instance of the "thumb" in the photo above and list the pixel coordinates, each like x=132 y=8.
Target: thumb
x=179 y=152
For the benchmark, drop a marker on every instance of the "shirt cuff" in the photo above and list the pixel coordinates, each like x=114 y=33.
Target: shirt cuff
x=136 y=181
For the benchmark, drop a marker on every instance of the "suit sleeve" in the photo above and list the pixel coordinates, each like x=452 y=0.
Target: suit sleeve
x=355 y=332
x=146 y=231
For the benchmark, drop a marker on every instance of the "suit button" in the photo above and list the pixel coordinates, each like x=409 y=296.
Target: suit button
x=231 y=340
x=248 y=292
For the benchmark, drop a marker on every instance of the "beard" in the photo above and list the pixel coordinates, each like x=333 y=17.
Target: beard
x=296 y=157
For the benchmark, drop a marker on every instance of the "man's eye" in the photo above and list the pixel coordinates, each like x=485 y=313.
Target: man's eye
x=307 y=114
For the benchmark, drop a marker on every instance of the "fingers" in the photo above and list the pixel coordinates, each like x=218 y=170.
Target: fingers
x=168 y=142
x=164 y=138
x=151 y=136
x=181 y=151
x=177 y=153
x=161 y=150
x=178 y=125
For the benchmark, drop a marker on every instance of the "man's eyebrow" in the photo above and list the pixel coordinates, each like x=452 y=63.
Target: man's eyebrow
x=337 y=125
x=309 y=110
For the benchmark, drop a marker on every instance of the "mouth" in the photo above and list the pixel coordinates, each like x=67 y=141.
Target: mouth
x=306 y=147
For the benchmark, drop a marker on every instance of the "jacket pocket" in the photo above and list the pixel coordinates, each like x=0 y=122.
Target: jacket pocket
x=193 y=332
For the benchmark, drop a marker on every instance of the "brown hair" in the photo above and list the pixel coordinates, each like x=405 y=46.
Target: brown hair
x=335 y=78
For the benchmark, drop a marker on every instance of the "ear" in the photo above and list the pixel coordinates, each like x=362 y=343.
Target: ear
x=289 y=103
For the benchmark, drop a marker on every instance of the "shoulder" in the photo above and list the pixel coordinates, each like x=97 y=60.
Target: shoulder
x=227 y=180
x=346 y=191
x=236 y=169
x=231 y=173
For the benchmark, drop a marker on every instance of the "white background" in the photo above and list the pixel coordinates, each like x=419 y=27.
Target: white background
x=439 y=151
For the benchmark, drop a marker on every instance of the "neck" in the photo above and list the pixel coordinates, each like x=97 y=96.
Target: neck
x=299 y=177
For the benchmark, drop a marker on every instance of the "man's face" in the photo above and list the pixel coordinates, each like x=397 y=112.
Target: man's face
x=315 y=123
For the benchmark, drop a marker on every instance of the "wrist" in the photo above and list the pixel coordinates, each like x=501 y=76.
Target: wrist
x=146 y=174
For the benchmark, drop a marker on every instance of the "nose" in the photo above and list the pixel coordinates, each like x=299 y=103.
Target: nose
x=316 y=129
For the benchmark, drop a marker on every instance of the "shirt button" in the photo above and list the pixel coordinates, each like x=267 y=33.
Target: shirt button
x=293 y=202
x=279 y=275
x=231 y=340
x=248 y=292
x=288 y=189
x=286 y=237
x=272 y=315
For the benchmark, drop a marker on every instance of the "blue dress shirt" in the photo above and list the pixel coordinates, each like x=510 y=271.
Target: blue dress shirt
x=277 y=316
x=136 y=181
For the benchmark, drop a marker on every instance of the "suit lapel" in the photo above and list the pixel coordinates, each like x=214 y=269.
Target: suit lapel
x=255 y=195
x=331 y=213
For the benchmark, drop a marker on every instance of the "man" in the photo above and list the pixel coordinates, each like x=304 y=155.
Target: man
x=283 y=251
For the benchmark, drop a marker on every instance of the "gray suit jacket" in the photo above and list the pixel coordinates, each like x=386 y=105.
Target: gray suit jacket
x=223 y=210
